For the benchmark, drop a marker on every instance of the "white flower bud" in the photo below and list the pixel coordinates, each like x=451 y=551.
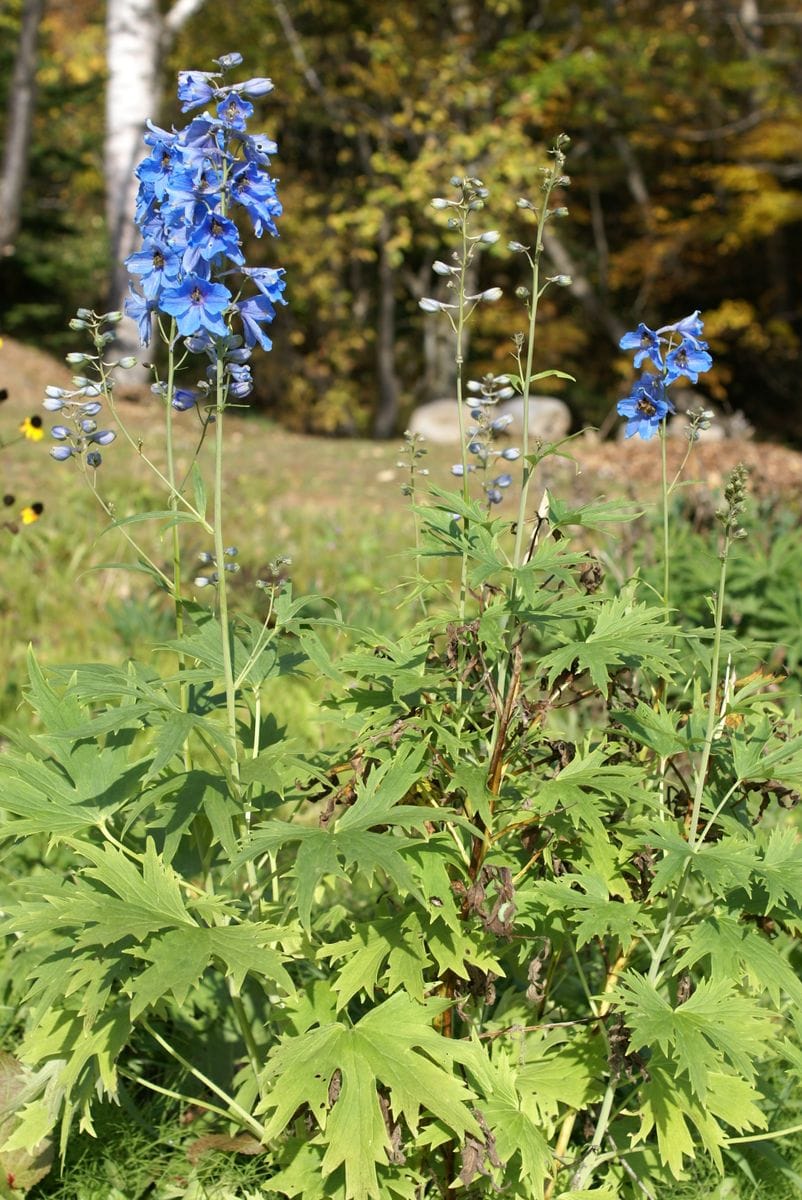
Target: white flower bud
x=490 y=238
x=490 y=295
x=439 y=202
x=441 y=268
x=429 y=305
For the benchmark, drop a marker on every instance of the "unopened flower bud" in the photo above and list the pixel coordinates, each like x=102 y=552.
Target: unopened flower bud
x=439 y=202
x=490 y=238
x=441 y=268
x=516 y=247
x=127 y=362
x=76 y=359
x=491 y=295
x=561 y=280
x=430 y=305
x=77 y=323
x=521 y=202
x=562 y=211
x=112 y=318
x=85 y=314
x=522 y=292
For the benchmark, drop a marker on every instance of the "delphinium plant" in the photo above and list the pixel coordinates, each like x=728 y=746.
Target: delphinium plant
x=524 y=925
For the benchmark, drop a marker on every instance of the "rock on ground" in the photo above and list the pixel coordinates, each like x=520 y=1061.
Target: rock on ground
x=438 y=421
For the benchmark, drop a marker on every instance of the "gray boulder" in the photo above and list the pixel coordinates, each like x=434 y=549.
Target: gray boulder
x=438 y=421
x=549 y=418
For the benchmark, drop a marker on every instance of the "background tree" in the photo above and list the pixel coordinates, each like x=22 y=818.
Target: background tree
x=19 y=118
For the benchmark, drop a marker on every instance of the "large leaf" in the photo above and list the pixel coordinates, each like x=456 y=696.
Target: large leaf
x=334 y=1072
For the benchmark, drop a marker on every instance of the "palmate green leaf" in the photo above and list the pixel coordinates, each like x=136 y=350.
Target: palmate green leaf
x=779 y=866
x=670 y=1108
x=735 y=950
x=566 y=1074
x=513 y=1119
x=326 y=852
x=599 y=514
x=723 y=865
x=179 y=957
x=378 y=796
x=365 y=953
x=396 y=954
x=350 y=844
x=714 y=1026
x=625 y=633
x=393 y=1045
x=655 y=726
x=591 y=912
x=588 y=785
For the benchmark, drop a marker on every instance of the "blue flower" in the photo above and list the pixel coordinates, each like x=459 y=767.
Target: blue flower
x=157 y=265
x=269 y=281
x=184 y=398
x=645 y=407
x=197 y=304
x=255 y=312
x=234 y=111
x=647 y=344
x=141 y=310
x=688 y=327
x=690 y=358
x=256 y=192
x=194 y=89
x=255 y=87
x=213 y=235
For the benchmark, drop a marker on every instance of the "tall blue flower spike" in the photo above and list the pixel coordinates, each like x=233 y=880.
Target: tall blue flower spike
x=193 y=183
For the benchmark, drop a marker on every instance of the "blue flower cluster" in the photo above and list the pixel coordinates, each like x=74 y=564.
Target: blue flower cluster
x=686 y=356
x=191 y=185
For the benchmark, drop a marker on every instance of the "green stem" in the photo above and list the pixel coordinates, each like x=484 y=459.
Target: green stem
x=234 y=1109
x=666 y=493
x=700 y=777
x=591 y=1159
x=226 y=634
x=174 y=1095
x=183 y=688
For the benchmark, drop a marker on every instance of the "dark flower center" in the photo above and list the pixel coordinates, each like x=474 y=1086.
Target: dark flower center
x=217 y=228
x=158 y=260
x=646 y=407
x=196 y=296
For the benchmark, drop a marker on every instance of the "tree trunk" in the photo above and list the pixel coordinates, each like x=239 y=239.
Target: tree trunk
x=21 y=99
x=386 y=415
